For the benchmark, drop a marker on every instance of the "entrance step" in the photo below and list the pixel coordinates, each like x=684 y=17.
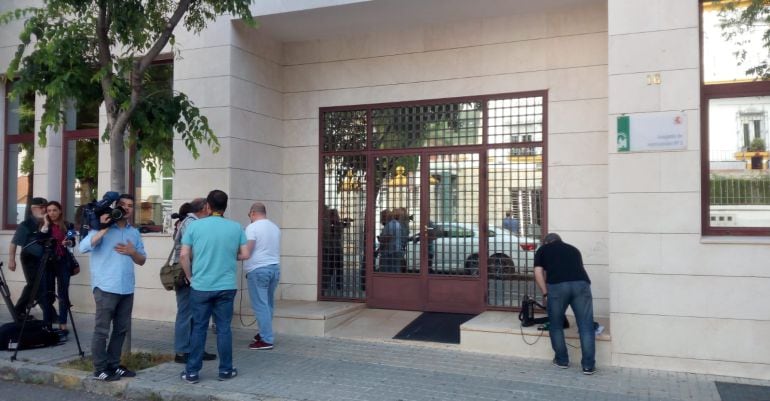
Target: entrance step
x=500 y=333
x=310 y=318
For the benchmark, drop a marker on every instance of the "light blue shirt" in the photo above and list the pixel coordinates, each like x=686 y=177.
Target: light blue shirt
x=214 y=242
x=111 y=271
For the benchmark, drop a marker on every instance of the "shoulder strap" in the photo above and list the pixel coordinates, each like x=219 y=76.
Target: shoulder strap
x=171 y=254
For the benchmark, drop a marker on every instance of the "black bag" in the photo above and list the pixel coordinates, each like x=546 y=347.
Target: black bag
x=527 y=313
x=36 y=335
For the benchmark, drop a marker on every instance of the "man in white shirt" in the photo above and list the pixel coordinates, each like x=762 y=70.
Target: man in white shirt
x=263 y=272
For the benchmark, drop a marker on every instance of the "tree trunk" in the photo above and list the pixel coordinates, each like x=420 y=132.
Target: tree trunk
x=117 y=160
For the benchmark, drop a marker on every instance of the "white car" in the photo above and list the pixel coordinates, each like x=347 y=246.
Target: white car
x=456 y=251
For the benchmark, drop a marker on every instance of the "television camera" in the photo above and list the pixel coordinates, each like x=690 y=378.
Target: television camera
x=93 y=211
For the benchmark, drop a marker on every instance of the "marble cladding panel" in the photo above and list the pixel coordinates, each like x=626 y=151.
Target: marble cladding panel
x=680 y=171
x=254 y=156
x=577 y=83
x=300 y=187
x=257 y=185
x=592 y=148
x=632 y=16
x=205 y=179
x=577 y=181
x=256 y=127
x=663 y=294
x=635 y=172
x=183 y=158
x=255 y=68
x=576 y=51
x=688 y=255
x=301 y=133
x=636 y=252
x=577 y=116
x=217 y=33
x=207 y=92
x=654 y=51
x=257 y=42
x=360 y=46
x=665 y=212
x=299 y=292
x=299 y=270
x=255 y=98
x=678 y=90
x=587 y=214
x=299 y=242
x=691 y=337
x=197 y=62
x=300 y=160
x=300 y=214
x=578 y=19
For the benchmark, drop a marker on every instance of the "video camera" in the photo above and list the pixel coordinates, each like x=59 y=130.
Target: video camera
x=92 y=212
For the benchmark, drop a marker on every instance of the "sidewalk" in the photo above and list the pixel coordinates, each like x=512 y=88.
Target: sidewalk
x=316 y=368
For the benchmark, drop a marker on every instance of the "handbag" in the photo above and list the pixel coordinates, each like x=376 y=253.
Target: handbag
x=169 y=273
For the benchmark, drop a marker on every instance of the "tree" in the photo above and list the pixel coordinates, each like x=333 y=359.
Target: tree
x=78 y=49
x=739 y=18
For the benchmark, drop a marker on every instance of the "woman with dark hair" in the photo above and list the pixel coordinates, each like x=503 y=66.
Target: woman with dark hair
x=63 y=264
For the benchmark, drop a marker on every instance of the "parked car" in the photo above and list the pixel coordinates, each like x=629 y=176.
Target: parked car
x=456 y=251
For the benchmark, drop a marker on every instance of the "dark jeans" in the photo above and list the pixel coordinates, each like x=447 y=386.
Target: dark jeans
x=576 y=294
x=203 y=305
x=44 y=297
x=63 y=271
x=112 y=309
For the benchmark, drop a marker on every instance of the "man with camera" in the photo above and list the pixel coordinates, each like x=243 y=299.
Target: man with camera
x=115 y=246
x=30 y=239
x=211 y=248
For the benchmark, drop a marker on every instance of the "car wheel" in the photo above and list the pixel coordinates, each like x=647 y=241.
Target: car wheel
x=472 y=265
x=500 y=266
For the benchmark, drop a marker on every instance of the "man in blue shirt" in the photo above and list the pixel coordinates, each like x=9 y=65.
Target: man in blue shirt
x=114 y=248
x=214 y=245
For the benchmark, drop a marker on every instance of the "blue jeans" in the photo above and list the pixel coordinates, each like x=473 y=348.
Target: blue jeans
x=203 y=304
x=183 y=325
x=576 y=294
x=262 y=284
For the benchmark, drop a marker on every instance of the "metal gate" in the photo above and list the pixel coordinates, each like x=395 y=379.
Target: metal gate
x=433 y=205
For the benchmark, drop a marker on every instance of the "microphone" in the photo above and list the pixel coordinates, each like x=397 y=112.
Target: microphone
x=71 y=233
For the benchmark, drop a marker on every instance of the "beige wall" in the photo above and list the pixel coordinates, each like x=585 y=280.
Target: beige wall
x=678 y=300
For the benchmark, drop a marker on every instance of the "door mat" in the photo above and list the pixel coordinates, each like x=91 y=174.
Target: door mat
x=742 y=392
x=435 y=327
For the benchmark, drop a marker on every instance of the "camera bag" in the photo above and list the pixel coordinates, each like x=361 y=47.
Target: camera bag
x=36 y=335
x=170 y=272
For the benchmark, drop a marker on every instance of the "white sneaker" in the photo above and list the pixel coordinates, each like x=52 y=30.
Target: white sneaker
x=599 y=329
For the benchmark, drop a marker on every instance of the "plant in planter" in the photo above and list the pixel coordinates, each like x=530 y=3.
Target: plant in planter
x=757 y=145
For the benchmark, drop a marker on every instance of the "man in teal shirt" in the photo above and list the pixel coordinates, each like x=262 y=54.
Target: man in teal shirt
x=214 y=244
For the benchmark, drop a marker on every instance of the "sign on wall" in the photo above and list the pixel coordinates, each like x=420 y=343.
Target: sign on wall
x=652 y=132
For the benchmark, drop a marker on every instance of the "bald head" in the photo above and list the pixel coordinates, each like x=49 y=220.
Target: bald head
x=258 y=208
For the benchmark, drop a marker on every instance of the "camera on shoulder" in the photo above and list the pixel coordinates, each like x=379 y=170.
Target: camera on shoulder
x=93 y=211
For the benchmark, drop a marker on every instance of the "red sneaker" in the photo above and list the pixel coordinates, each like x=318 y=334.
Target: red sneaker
x=259 y=344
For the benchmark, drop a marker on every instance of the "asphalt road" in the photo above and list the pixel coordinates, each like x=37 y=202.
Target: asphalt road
x=13 y=391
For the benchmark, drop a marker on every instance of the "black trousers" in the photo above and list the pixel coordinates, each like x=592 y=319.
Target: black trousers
x=44 y=296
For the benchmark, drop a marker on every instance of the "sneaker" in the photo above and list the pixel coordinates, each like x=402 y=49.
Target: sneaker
x=599 y=329
x=560 y=365
x=589 y=371
x=209 y=357
x=124 y=372
x=189 y=377
x=257 y=337
x=181 y=357
x=228 y=375
x=259 y=344
x=106 y=376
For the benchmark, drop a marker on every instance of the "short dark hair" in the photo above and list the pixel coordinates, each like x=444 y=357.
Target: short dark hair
x=197 y=205
x=184 y=209
x=217 y=200
x=126 y=196
x=551 y=237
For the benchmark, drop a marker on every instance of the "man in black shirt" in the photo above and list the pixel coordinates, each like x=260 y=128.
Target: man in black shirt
x=563 y=280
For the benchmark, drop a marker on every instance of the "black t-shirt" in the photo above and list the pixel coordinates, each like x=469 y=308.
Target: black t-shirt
x=562 y=262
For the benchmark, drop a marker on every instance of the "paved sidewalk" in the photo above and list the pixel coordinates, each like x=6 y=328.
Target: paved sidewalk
x=316 y=368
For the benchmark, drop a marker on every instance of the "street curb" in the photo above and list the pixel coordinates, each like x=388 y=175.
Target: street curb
x=127 y=388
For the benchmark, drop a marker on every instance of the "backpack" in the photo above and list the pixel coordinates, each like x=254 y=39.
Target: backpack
x=527 y=313
x=36 y=335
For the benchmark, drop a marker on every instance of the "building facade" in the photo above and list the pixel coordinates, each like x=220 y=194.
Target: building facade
x=444 y=116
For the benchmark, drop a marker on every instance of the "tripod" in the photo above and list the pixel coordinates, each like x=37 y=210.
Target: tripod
x=48 y=247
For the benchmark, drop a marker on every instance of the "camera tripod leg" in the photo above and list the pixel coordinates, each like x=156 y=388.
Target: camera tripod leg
x=75 y=331
x=41 y=269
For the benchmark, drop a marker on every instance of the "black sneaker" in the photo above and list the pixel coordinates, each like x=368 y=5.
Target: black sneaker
x=181 y=358
x=106 y=376
x=228 y=375
x=560 y=365
x=189 y=377
x=209 y=357
x=589 y=371
x=124 y=372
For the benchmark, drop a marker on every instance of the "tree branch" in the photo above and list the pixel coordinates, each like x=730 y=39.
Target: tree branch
x=105 y=58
